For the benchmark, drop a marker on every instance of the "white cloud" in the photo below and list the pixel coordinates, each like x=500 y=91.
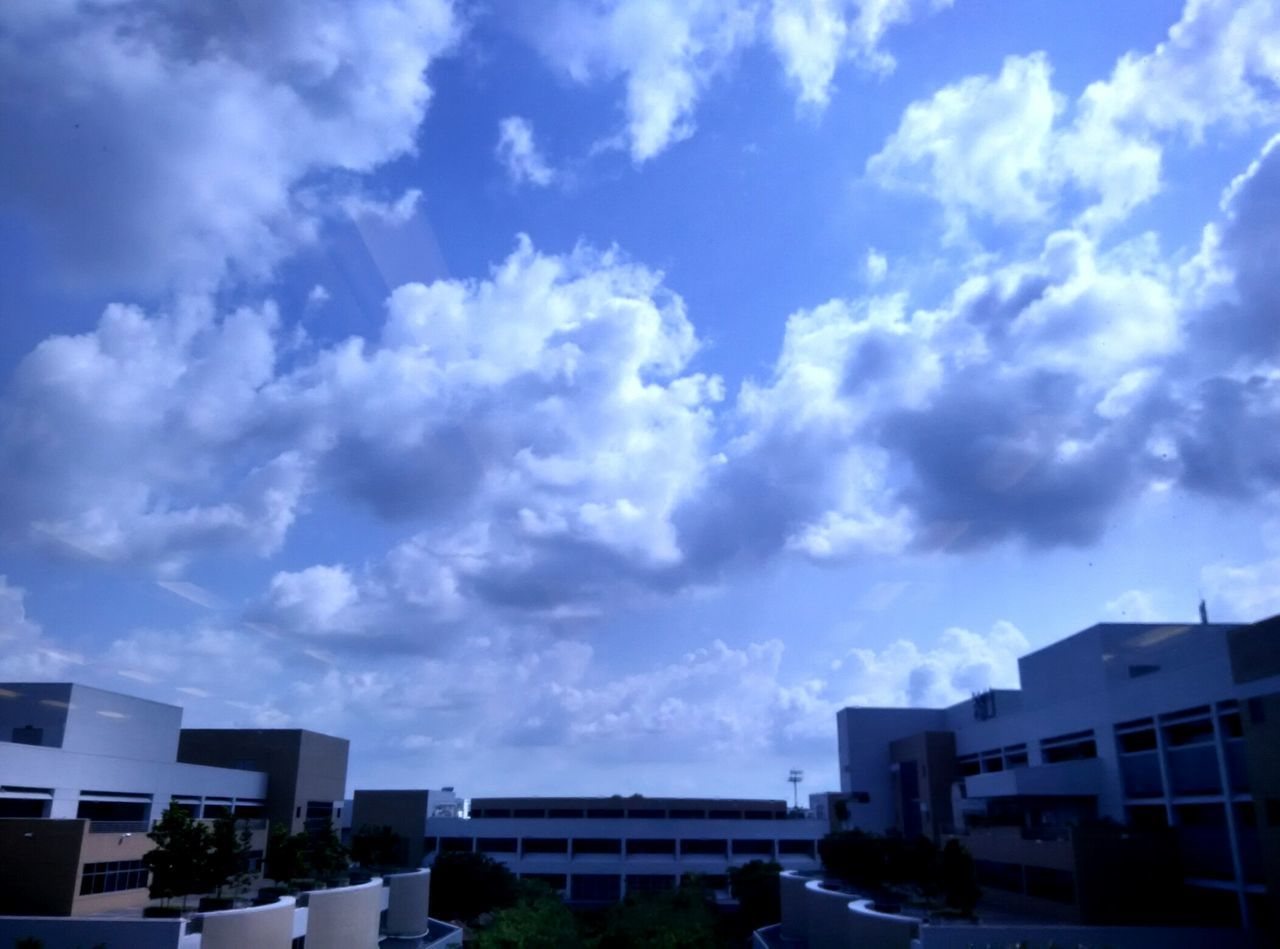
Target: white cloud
x=319 y=599
x=982 y=145
x=188 y=139
x=1134 y=606
x=519 y=154
x=960 y=663
x=1249 y=592
x=812 y=37
x=876 y=265
x=668 y=53
x=25 y=653
x=1002 y=149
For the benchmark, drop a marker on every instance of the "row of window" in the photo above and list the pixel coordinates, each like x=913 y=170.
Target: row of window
x=1191 y=764
x=607 y=887
x=1183 y=729
x=112 y=876
x=612 y=845
x=675 y=813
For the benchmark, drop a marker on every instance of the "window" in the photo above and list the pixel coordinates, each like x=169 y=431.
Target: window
x=759 y=848
x=528 y=812
x=557 y=881
x=1073 y=747
x=684 y=813
x=564 y=812
x=1198 y=731
x=454 y=844
x=497 y=845
x=113 y=876
x=650 y=882
x=725 y=815
x=546 y=845
x=604 y=812
x=596 y=887
x=1143 y=739
x=645 y=812
x=796 y=848
x=704 y=847
x=596 y=845
x=645 y=845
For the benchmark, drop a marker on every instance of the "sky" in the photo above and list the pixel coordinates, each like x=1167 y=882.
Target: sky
x=594 y=396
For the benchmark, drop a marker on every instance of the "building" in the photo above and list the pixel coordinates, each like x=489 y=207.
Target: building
x=84 y=773
x=307 y=771
x=405 y=814
x=598 y=849
x=1134 y=758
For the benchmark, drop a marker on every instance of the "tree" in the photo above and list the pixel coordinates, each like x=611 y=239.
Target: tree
x=378 y=847
x=464 y=885
x=230 y=843
x=179 y=863
x=755 y=886
x=675 y=919
x=538 y=919
x=326 y=855
x=286 y=859
x=959 y=882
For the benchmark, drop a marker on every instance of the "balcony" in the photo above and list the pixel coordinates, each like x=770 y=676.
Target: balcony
x=1065 y=779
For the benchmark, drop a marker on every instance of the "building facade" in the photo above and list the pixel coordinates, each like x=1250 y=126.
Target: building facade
x=599 y=849
x=1134 y=758
x=306 y=770
x=85 y=773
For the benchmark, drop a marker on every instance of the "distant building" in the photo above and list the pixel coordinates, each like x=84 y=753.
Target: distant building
x=307 y=771
x=84 y=773
x=598 y=849
x=405 y=814
x=1169 y=731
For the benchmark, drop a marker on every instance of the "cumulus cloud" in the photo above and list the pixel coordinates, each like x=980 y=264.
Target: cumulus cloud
x=519 y=154
x=1008 y=149
x=1134 y=606
x=812 y=37
x=177 y=141
x=960 y=663
x=25 y=653
x=668 y=53
x=1249 y=591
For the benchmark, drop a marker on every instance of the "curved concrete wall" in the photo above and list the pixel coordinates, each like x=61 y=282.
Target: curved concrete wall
x=791 y=889
x=408 y=903
x=826 y=917
x=344 y=918
x=263 y=927
x=872 y=930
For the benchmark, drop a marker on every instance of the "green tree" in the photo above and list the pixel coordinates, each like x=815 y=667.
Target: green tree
x=378 y=847
x=326 y=855
x=755 y=886
x=287 y=853
x=675 y=919
x=465 y=885
x=959 y=881
x=538 y=920
x=230 y=843
x=179 y=862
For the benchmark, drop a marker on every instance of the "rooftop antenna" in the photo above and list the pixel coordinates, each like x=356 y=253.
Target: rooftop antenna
x=1204 y=612
x=795 y=777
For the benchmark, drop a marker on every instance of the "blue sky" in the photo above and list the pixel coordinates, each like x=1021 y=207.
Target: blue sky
x=594 y=396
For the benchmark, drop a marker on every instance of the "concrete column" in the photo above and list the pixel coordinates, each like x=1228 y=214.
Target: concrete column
x=1224 y=777
x=344 y=918
x=263 y=927
x=408 y=903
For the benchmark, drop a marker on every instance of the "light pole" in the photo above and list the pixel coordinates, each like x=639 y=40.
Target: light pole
x=795 y=778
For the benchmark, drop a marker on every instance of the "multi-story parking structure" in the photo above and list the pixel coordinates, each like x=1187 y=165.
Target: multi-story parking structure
x=598 y=849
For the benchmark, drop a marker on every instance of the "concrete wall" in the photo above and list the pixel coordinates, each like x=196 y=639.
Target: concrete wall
x=405 y=812
x=408 y=902
x=110 y=933
x=1113 y=937
x=40 y=865
x=794 y=917
x=344 y=918
x=262 y=927
x=301 y=766
x=864 y=738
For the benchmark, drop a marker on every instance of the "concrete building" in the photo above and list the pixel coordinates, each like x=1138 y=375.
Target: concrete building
x=1134 y=756
x=306 y=771
x=84 y=773
x=598 y=849
x=405 y=814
